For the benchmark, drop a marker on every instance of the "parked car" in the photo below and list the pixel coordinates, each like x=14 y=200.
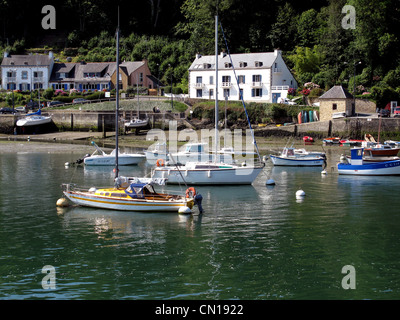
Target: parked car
x=54 y=103
x=79 y=100
x=7 y=110
x=384 y=113
x=396 y=112
x=286 y=101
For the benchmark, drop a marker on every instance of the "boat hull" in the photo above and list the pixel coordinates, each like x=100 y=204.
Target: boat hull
x=87 y=199
x=33 y=121
x=296 y=162
x=222 y=176
x=388 y=168
x=123 y=160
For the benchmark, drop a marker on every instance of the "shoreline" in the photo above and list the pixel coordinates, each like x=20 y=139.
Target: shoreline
x=79 y=142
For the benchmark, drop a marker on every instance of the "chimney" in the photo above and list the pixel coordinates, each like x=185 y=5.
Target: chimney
x=277 y=52
x=223 y=54
x=198 y=55
x=51 y=55
x=5 y=54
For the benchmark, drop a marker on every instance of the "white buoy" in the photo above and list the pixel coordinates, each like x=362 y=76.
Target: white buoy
x=66 y=164
x=323 y=172
x=300 y=194
x=270 y=182
x=265 y=158
x=184 y=210
x=62 y=202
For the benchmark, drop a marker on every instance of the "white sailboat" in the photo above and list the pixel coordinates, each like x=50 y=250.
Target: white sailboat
x=128 y=194
x=210 y=172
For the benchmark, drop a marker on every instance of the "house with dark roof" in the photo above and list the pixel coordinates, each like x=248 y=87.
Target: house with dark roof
x=262 y=77
x=334 y=101
x=26 y=72
x=100 y=75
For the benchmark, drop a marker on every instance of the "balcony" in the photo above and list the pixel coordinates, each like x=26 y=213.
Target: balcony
x=37 y=79
x=277 y=70
x=198 y=85
x=226 y=84
x=11 y=79
x=257 y=84
x=280 y=88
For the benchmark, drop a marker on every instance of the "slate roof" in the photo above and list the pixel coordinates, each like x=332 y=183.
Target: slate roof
x=337 y=92
x=30 y=60
x=267 y=59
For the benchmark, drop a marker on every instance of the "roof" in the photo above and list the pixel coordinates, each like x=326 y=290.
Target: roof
x=337 y=92
x=28 y=59
x=266 y=58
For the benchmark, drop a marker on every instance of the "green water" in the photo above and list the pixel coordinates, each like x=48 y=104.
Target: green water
x=252 y=242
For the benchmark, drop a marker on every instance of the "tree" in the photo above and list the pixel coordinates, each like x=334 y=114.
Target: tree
x=284 y=30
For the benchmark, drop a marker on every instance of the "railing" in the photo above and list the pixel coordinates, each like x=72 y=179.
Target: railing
x=280 y=88
x=37 y=79
x=198 y=85
x=277 y=70
x=226 y=84
x=11 y=79
x=257 y=84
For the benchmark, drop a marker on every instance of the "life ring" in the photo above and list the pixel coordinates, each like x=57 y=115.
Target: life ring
x=160 y=163
x=190 y=192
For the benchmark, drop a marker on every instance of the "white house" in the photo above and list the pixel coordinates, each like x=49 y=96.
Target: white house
x=26 y=72
x=261 y=77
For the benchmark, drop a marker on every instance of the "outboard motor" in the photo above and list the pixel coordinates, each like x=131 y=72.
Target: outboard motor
x=197 y=201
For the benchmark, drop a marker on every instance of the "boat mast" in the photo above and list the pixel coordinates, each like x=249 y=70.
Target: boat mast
x=216 y=88
x=117 y=103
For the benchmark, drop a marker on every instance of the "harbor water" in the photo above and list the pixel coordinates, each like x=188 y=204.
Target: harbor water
x=253 y=242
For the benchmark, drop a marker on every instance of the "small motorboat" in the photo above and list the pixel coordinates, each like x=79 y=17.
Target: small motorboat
x=331 y=141
x=308 y=140
x=136 y=123
x=100 y=158
x=356 y=165
x=288 y=157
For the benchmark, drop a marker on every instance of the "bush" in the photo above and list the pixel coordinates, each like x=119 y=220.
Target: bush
x=48 y=93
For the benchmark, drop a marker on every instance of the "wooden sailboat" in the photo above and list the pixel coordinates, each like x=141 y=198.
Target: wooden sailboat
x=128 y=194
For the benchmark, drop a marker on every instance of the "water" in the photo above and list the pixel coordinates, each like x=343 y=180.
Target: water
x=253 y=242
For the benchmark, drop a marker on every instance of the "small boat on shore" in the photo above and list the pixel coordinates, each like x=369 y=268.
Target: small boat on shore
x=331 y=141
x=33 y=119
x=136 y=123
x=288 y=157
x=357 y=166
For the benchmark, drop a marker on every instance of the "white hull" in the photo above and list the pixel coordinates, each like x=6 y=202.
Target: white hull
x=88 y=200
x=230 y=176
x=136 y=123
x=296 y=162
x=109 y=160
x=33 y=121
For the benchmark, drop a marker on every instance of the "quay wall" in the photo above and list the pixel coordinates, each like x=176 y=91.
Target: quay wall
x=354 y=128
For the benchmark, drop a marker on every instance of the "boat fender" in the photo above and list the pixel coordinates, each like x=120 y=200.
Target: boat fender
x=190 y=192
x=300 y=194
x=62 y=202
x=197 y=201
x=184 y=210
x=160 y=163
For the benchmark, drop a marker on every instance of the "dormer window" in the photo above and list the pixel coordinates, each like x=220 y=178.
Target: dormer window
x=242 y=64
x=258 y=64
x=206 y=66
x=228 y=65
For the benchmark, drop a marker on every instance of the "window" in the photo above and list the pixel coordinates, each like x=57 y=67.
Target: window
x=257 y=78
x=38 y=74
x=141 y=77
x=206 y=66
x=242 y=64
x=228 y=65
x=226 y=93
x=24 y=75
x=226 y=79
x=334 y=106
x=199 y=79
x=240 y=94
x=199 y=93
x=211 y=79
x=258 y=64
x=58 y=86
x=11 y=74
x=211 y=93
x=89 y=86
x=38 y=85
x=241 y=79
x=256 y=92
